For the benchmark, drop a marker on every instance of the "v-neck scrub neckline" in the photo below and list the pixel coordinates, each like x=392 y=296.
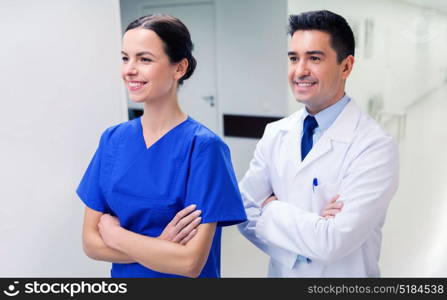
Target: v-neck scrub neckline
x=140 y=123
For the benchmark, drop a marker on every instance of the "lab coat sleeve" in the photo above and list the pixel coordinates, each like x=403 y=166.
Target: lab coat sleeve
x=366 y=190
x=255 y=187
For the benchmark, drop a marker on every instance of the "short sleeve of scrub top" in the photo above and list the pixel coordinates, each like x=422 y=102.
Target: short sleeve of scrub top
x=90 y=189
x=212 y=185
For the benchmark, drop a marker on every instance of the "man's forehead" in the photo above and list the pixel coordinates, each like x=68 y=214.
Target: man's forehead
x=311 y=32
x=310 y=40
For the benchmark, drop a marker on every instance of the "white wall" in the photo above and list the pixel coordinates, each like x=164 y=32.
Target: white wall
x=60 y=88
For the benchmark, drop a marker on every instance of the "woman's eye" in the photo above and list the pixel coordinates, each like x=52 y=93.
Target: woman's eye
x=144 y=59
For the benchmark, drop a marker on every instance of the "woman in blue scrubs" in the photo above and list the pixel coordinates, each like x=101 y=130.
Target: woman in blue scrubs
x=162 y=165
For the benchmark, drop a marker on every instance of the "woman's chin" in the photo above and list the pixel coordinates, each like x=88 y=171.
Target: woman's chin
x=136 y=99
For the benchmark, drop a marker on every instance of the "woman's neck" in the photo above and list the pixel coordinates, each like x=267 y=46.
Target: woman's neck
x=161 y=116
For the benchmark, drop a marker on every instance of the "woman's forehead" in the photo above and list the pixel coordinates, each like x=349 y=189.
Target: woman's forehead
x=141 y=39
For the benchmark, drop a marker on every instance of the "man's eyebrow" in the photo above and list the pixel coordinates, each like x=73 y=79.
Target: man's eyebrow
x=312 y=52
x=139 y=53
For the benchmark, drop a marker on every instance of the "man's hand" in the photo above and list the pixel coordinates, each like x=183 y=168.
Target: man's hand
x=332 y=208
x=183 y=226
x=268 y=200
x=329 y=211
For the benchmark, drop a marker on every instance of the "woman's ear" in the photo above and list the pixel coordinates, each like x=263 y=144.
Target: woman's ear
x=182 y=67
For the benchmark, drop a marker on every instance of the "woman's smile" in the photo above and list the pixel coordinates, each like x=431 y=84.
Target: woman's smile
x=134 y=85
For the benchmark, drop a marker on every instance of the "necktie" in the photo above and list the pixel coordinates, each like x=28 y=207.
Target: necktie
x=308 y=128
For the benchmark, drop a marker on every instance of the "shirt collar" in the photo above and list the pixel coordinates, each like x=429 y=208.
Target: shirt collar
x=327 y=116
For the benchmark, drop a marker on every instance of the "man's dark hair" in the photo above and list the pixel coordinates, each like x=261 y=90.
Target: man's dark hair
x=342 y=37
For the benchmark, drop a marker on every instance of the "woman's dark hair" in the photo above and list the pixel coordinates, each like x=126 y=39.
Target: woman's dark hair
x=342 y=37
x=175 y=36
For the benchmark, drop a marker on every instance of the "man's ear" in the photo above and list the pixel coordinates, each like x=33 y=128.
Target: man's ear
x=348 y=64
x=182 y=67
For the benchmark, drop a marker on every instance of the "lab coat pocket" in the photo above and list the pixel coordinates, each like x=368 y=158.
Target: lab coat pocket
x=322 y=195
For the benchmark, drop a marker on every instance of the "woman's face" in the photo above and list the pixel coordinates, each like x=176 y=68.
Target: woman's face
x=146 y=69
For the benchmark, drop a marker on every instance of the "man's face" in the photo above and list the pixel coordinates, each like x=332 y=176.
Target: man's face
x=316 y=78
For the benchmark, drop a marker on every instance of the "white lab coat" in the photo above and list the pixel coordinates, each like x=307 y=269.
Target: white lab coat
x=354 y=158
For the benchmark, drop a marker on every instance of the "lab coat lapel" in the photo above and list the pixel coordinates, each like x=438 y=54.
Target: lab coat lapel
x=291 y=139
x=323 y=146
x=342 y=130
x=289 y=156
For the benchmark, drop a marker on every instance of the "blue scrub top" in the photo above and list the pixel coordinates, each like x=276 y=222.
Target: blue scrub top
x=146 y=187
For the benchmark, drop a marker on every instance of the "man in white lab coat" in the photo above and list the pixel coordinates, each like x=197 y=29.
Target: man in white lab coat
x=305 y=161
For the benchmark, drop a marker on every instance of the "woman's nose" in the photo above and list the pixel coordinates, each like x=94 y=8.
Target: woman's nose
x=130 y=69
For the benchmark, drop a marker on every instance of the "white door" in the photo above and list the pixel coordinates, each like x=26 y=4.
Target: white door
x=197 y=96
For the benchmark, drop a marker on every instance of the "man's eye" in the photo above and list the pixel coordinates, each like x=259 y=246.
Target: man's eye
x=315 y=58
x=292 y=59
x=124 y=59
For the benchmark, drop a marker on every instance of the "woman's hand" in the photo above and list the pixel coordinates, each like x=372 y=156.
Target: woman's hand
x=108 y=225
x=183 y=226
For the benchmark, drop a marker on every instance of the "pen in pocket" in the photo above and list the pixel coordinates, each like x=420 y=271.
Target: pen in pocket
x=314 y=183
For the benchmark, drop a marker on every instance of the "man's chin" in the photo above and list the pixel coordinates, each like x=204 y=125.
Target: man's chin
x=303 y=99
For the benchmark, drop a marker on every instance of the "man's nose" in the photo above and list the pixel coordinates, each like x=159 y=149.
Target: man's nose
x=301 y=69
